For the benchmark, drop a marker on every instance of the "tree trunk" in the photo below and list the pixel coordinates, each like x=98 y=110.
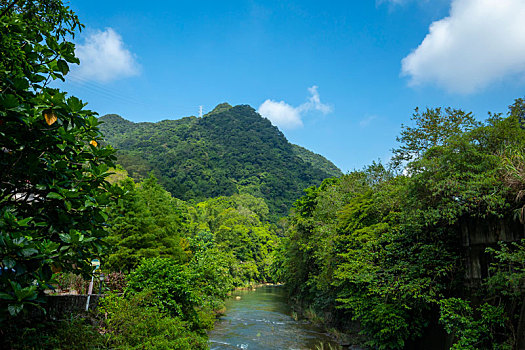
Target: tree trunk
x=520 y=342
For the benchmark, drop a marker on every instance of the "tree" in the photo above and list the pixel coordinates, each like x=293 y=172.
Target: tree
x=237 y=225
x=52 y=183
x=389 y=251
x=433 y=127
x=146 y=223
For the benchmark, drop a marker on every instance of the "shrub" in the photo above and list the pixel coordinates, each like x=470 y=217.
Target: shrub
x=473 y=328
x=137 y=323
x=73 y=333
x=170 y=283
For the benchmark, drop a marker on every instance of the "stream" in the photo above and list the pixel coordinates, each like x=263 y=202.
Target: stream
x=261 y=320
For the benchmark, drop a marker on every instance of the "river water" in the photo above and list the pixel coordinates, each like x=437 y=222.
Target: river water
x=261 y=320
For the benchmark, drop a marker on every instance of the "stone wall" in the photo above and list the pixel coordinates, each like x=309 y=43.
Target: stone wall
x=58 y=306
x=478 y=235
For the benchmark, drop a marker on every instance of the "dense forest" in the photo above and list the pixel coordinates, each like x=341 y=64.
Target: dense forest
x=149 y=222
x=231 y=150
x=388 y=247
x=427 y=248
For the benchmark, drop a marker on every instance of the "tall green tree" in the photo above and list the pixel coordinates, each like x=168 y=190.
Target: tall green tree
x=52 y=184
x=431 y=128
x=145 y=223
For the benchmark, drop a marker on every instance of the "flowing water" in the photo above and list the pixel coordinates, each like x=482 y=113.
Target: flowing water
x=261 y=320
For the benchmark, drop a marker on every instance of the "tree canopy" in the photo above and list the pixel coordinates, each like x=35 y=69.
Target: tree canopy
x=391 y=250
x=52 y=184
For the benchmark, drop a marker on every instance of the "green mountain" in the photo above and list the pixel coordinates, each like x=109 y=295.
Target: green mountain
x=230 y=150
x=317 y=161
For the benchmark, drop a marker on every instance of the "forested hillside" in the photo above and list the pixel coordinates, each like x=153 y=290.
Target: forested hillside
x=317 y=161
x=230 y=150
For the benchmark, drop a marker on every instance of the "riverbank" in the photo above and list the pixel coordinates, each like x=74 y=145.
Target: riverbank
x=347 y=337
x=254 y=286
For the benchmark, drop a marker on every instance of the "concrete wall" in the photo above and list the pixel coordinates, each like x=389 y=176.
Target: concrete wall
x=477 y=235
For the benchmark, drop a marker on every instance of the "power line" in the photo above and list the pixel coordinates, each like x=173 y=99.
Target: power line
x=85 y=85
x=111 y=94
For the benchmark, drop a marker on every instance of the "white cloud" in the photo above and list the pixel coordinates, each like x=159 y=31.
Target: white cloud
x=366 y=121
x=479 y=43
x=288 y=117
x=314 y=102
x=104 y=57
x=281 y=114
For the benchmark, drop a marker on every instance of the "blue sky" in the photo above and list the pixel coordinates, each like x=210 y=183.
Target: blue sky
x=337 y=77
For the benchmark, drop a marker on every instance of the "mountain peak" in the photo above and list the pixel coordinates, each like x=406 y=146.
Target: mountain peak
x=233 y=150
x=113 y=118
x=221 y=107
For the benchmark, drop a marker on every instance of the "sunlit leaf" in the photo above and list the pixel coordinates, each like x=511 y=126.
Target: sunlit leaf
x=50 y=116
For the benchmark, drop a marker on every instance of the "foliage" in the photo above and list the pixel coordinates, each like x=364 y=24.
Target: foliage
x=229 y=151
x=236 y=226
x=137 y=323
x=64 y=281
x=385 y=249
x=145 y=223
x=506 y=286
x=317 y=161
x=73 y=332
x=508 y=270
x=52 y=186
x=473 y=331
x=221 y=107
x=191 y=292
x=212 y=275
x=170 y=283
x=432 y=128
